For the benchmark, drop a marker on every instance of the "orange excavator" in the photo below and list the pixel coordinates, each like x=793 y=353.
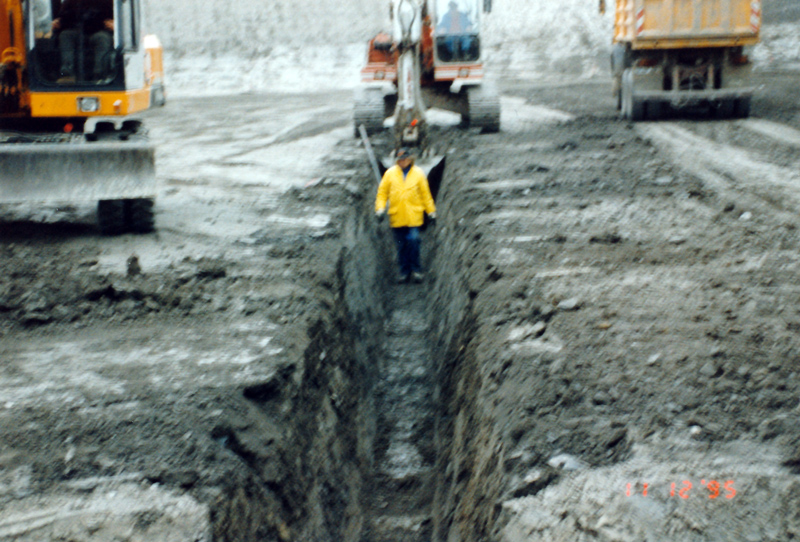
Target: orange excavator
x=73 y=79
x=433 y=58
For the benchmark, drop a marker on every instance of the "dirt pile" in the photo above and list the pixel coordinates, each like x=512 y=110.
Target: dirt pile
x=103 y=512
x=87 y=295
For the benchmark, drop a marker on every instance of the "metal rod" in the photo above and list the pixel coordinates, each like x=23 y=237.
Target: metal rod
x=370 y=153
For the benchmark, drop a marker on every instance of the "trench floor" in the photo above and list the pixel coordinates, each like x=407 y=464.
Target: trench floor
x=401 y=493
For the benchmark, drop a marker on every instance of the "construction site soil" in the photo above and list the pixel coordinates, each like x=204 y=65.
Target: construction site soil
x=605 y=347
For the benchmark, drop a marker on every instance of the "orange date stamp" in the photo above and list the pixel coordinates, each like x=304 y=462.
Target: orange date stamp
x=710 y=489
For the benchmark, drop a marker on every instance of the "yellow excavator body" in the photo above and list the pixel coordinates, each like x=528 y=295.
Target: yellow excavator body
x=73 y=77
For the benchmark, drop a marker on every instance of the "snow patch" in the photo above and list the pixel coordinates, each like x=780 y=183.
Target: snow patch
x=518 y=116
x=779 y=48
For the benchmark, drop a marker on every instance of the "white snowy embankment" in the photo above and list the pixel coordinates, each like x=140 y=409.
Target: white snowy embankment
x=779 y=48
x=542 y=41
x=284 y=70
x=535 y=40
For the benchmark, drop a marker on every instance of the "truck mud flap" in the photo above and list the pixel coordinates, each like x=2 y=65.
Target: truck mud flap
x=76 y=173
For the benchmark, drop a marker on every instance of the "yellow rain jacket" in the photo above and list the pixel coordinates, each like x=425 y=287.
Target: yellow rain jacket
x=408 y=197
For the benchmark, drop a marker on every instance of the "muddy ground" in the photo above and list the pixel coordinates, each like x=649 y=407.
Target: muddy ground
x=628 y=297
x=173 y=377
x=608 y=305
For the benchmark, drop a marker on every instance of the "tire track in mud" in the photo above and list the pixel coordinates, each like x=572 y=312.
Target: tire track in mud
x=773 y=130
x=401 y=493
x=730 y=169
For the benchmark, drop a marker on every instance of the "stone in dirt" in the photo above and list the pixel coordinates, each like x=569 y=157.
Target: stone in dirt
x=664 y=180
x=711 y=370
x=133 y=266
x=567 y=462
x=533 y=482
x=571 y=304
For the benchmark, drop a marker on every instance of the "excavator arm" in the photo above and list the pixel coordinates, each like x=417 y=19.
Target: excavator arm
x=410 y=125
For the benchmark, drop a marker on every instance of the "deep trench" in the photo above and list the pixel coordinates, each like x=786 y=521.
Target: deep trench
x=372 y=414
x=425 y=381
x=418 y=388
x=399 y=496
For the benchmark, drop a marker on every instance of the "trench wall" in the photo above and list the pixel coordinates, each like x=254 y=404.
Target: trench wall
x=470 y=452
x=307 y=437
x=333 y=437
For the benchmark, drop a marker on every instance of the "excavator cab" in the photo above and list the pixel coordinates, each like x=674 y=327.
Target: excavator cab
x=87 y=48
x=437 y=62
x=457 y=30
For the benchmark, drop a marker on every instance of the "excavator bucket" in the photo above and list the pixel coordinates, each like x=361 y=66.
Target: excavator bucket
x=434 y=170
x=49 y=172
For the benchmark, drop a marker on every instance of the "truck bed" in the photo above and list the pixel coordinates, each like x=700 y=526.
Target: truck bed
x=678 y=24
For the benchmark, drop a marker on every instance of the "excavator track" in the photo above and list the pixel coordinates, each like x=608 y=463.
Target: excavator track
x=484 y=108
x=369 y=110
x=115 y=217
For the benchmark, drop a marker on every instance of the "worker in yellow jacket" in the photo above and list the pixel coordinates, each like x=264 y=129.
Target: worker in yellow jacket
x=405 y=188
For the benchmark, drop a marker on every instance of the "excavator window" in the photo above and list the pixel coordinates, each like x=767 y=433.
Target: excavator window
x=72 y=42
x=457 y=17
x=41 y=17
x=457 y=30
x=458 y=48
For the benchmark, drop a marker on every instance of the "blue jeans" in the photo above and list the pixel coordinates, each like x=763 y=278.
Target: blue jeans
x=407 y=241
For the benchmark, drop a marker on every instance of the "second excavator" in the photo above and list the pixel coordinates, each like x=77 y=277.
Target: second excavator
x=434 y=58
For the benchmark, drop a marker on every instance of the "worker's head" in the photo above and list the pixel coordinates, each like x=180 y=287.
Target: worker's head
x=405 y=157
x=453 y=6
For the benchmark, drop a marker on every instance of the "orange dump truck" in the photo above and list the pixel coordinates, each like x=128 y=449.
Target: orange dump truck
x=683 y=53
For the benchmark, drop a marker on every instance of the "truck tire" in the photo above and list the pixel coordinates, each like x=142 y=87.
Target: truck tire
x=369 y=110
x=632 y=108
x=653 y=111
x=726 y=109
x=638 y=108
x=139 y=215
x=111 y=216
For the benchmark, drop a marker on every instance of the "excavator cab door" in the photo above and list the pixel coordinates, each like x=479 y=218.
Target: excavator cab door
x=129 y=37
